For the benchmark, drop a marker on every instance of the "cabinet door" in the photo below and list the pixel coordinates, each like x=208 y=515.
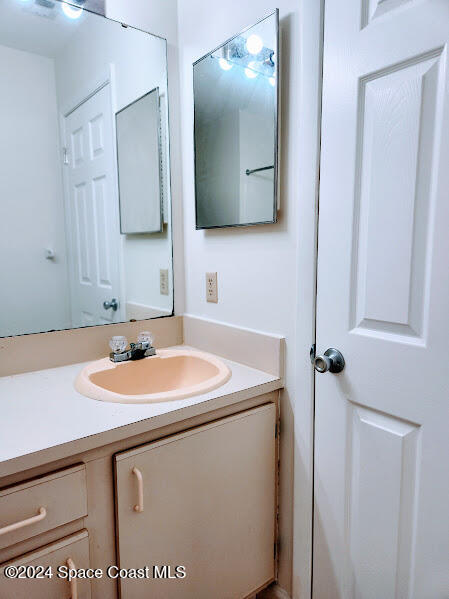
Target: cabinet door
x=74 y=548
x=209 y=498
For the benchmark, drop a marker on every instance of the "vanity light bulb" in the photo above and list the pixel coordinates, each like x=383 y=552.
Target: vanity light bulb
x=72 y=12
x=250 y=72
x=272 y=81
x=254 y=44
x=224 y=64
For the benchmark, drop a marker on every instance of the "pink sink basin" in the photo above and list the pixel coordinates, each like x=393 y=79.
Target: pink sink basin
x=170 y=374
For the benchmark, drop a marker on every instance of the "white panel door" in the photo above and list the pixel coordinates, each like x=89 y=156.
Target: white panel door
x=94 y=230
x=381 y=525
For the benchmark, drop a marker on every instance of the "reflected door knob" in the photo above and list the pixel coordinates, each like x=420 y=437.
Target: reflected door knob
x=332 y=360
x=112 y=304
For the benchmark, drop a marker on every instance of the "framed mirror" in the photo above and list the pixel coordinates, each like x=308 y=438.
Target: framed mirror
x=139 y=165
x=236 y=98
x=84 y=99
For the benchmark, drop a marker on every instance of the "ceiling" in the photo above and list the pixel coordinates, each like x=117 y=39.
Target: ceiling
x=37 y=26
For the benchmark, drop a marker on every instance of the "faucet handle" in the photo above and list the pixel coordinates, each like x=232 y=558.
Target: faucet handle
x=118 y=344
x=146 y=337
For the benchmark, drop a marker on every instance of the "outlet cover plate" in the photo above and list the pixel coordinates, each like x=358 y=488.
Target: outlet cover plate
x=163 y=281
x=211 y=287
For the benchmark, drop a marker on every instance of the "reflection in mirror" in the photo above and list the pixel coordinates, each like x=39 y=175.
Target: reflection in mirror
x=139 y=160
x=236 y=129
x=67 y=74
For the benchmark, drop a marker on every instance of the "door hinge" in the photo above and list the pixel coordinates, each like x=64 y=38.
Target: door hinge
x=65 y=156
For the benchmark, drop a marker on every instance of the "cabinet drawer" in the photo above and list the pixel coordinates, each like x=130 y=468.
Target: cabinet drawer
x=74 y=547
x=42 y=504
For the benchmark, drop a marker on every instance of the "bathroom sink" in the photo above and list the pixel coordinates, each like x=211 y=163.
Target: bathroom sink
x=170 y=374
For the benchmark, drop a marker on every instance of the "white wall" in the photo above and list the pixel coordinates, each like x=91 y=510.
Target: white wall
x=256 y=150
x=256 y=266
x=33 y=292
x=140 y=65
x=218 y=168
x=266 y=274
x=160 y=18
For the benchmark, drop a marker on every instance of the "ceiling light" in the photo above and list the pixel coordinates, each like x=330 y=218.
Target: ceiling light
x=272 y=81
x=73 y=12
x=254 y=44
x=224 y=64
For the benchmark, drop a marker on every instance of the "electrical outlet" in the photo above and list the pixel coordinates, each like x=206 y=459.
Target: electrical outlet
x=163 y=281
x=211 y=287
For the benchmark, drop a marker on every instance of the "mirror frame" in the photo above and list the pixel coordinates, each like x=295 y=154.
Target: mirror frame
x=277 y=99
x=98 y=7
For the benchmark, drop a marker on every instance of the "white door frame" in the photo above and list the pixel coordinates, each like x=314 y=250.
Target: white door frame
x=311 y=15
x=85 y=93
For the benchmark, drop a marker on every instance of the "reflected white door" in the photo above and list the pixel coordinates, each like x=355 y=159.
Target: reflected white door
x=93 y=221
x=381 y=526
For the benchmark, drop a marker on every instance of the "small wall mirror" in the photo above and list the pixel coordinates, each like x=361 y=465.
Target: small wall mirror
x=73 y=85
x=236 y=90
x=139 y=165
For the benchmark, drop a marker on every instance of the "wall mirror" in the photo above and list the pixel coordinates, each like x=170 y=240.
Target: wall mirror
x=236 y=89
x=83 y=103
x=139 y=165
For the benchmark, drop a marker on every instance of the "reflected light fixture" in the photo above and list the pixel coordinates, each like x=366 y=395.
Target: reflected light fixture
x=224 y=64
x=254 y=44
x=73 y=12
x=250 y=72
x=272 y=81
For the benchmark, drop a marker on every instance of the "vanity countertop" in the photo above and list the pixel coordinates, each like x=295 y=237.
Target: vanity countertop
x=42 y=410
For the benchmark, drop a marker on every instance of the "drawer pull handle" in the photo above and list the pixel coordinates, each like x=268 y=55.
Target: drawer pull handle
x=73 y=583
x=40 y=516
x=138 y=474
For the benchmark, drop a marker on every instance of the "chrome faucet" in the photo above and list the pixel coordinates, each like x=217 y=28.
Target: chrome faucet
x=142 y=349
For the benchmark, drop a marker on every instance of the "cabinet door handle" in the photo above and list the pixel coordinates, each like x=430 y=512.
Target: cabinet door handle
x=139 y=506
x=40 y=516
x=73 y=583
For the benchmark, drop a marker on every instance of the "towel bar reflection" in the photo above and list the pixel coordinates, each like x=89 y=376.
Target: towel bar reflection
x=250 y=171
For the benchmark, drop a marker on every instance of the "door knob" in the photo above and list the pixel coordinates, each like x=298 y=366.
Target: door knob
x=332 y=360
x=112 y=304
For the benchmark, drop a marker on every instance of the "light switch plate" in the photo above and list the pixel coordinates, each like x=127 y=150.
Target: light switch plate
x=163 y=280
x=211 y=287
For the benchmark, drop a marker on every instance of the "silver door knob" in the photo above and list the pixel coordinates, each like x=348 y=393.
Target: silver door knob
x=112 y=304
x=332 y=360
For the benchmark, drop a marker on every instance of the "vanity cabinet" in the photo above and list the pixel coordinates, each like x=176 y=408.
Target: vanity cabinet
x=199 y=493
x=205 y=500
